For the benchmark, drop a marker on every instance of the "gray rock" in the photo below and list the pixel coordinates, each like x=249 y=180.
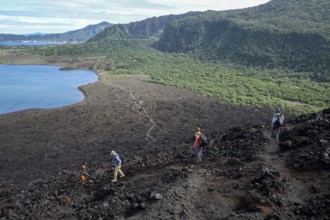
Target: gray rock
x=158 y=196
x=142 y=205
x=155 y=195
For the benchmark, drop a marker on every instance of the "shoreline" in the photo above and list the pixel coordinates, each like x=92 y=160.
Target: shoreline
x=79 y=88
x=40 y=143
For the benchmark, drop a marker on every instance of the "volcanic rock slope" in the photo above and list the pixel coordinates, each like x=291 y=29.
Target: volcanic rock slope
x=243 y=175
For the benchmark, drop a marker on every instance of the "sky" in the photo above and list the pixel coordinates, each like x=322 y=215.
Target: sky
x=59 y=16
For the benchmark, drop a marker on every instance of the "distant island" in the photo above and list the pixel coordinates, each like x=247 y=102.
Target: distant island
x=80 y=35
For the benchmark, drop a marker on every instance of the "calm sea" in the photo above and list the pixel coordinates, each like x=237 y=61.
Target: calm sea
x=40 y=87
x=28 y=43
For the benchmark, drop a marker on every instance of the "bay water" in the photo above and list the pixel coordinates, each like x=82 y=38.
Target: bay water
x=29 y=43
x=40 y=87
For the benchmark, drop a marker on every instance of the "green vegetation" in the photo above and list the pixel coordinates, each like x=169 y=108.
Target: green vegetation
x=289 y=34
x=274 y=54
x=300 y=16
x=229 y=82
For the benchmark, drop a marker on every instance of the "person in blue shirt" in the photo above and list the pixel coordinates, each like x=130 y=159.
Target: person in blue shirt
x=277 y=122
x=118 y=165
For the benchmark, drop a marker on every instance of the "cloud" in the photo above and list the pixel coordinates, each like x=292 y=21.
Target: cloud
x=204 y=5
x=108 y=4
x=30 y=24
x=18 y=15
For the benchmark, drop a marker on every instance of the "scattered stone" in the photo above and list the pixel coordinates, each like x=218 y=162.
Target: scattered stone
x=156 y=196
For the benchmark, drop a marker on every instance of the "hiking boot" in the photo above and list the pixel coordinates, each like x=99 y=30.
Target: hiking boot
x=113 y=180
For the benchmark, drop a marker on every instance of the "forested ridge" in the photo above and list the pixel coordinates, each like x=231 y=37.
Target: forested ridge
x=146 y=28
x=273 y=54
x=289 y=34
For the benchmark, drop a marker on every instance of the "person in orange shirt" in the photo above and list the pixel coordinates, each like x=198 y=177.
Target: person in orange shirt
x=84 y=174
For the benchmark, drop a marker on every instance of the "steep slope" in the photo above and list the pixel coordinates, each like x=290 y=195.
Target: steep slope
x=83 y=34
x=243 y=176
x=300 y=16
x=146 y=28
x=290 y=34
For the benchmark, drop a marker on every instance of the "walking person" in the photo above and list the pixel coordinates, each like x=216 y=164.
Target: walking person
x=118 y=164
x=84 y=174
x=277 y=122
x=197 y=145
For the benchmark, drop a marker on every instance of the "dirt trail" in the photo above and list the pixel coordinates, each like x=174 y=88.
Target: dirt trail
x=242 y=176
x=301 y=183
x=139 y=106
x=152 y=125
x=274 y=158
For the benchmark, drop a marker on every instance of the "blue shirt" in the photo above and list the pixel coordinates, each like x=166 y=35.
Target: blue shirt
x=117 y=160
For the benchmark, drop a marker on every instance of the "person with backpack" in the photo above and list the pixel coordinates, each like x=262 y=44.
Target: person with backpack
x=84 y=174
x=277 y=122
x=118 y=165
x=200 y=142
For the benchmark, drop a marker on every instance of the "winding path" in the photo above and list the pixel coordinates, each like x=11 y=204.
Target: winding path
x=300 y=182
x=138 y=104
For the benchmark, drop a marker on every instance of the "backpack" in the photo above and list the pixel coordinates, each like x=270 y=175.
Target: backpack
x=121 y=158
x=279 y=120
x=203 y=140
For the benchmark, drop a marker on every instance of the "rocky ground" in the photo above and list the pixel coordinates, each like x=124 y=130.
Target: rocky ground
x=243 y=175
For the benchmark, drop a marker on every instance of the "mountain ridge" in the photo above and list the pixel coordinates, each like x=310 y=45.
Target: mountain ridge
x=280 y=33
x=238 y=37
x=80 y=35
x=145 y=28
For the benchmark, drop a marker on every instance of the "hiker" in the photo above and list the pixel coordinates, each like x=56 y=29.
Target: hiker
x=84 y=174
x=277 y=122
x=197 y=145
x=118 y=165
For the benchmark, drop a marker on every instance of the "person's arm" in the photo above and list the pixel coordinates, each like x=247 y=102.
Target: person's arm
x=273 y=120
x=118 y=160
x=193 y=147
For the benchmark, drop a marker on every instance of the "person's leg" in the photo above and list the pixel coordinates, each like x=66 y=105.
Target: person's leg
x=272 y=136
x=121 y=173
x=277 y=135
x=115 y=174
x=198 y=154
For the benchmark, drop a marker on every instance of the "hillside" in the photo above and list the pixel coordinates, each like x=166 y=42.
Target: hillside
x=140 y=29
x=272 y=54
x=243 y=175
x=80 y=35
x=293 y=35
x=281 y=33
